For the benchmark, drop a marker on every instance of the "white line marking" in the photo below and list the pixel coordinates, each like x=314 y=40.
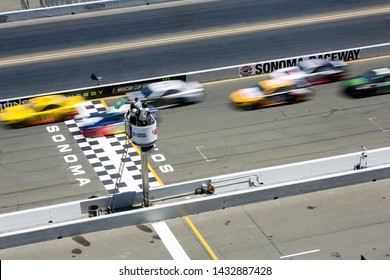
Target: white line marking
x=302 y=253
x=378 y=126
x=170 y=241
x=198 y=148
x=115 y=160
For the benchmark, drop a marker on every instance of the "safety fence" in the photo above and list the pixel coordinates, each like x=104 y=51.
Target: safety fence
x=69 y=219
x=33 y=9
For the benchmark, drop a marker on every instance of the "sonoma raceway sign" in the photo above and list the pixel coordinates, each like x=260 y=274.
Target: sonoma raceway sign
x=272 y=65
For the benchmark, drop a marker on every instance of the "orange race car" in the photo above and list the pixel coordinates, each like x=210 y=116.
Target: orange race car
x=271 y=92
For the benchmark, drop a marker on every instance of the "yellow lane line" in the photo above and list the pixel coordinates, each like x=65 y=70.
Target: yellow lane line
x=187 y=219
x=103 y=102
x=227 y=31
x=193 y=228
x=150 y=167
x=200 y=238
x=370 y=58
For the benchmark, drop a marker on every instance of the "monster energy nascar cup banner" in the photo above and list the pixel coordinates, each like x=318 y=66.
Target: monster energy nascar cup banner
x=100 y=91
x=272 y=65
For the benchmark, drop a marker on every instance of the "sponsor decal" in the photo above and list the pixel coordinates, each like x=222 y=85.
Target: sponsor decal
x=270 y=66
x=139 y=135
x=144 y=135
x=246 y=71
x=128 y=88
x=356 y=82
x=137 y=86
x=345 y=55
x=11 y=103
x=89 y=94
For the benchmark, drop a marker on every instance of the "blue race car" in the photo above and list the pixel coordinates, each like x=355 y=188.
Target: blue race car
x=111 y=121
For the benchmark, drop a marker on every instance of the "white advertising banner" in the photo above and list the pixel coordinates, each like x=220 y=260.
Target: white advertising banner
x=272 y=65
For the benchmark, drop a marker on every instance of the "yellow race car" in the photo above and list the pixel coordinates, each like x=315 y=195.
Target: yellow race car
x=271 y=92
x=41 y=110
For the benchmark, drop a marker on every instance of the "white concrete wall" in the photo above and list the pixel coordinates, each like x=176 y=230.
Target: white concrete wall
x=189 y=207
x=50 y=10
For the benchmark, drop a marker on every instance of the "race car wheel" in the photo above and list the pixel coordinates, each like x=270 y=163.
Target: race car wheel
x=20 y=124
x=297 y=98
x=17 y=125
x=258 y=105
x=249 y=107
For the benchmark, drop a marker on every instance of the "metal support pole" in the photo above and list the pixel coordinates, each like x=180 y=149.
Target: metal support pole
x=145 y=178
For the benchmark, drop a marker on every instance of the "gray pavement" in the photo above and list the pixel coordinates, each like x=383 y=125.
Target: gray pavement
x=17 y=5
x=327 y=125
x=47 y=178
x=340 y=225
x=337 y=224
x=17 y=10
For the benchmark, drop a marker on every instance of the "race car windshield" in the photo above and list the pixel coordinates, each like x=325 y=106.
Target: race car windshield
x=260 y=87
x=34 y=107
x=369 y=74
x=304 y=68
x=146 y=91
x=301 y=83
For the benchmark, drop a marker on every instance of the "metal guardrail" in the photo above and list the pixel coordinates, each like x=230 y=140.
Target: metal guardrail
x=189 y=207
x=305 y=176
x=71 y=9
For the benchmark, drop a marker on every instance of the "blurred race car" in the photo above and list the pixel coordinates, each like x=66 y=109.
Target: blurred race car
x=272 y=92
x=315 y=71
x=169 y=93
x=41 y=110
x=102 y=124
x=111 y=121
x=372 y=82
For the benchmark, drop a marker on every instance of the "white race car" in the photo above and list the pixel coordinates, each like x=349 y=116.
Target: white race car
x=169 y=93
x=315 y=71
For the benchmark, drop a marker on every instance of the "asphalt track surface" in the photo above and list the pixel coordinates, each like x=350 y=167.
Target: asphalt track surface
x=213 y=137
x=199 y=141
x=133 y=49
x=344 y=223
x=230 y=140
